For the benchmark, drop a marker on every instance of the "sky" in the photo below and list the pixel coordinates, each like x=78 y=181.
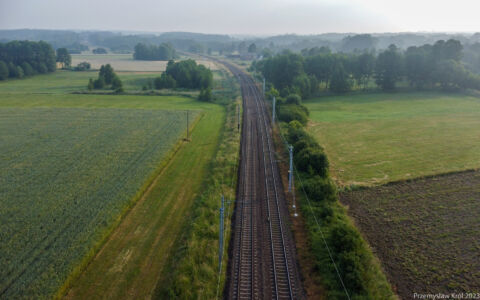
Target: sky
x=248 y=17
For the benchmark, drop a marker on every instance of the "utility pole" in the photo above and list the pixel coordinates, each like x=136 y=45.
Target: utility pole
x=238 y=117
x=273 y=111
x=291 y=184
x=187 y=125
x=220 y=249
x=263 y=87
x=290 y=172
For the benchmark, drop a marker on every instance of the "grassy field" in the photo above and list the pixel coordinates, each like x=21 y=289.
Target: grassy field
x=121 y=139
x=378 y=138
x=125 y=62
x=425 y=232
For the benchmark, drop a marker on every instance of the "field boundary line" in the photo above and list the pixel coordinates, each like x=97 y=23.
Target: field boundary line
x=144 y=190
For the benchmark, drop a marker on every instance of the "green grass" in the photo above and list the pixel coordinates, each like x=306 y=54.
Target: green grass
x=377 y=138
x=62 y=82
x=89 y=149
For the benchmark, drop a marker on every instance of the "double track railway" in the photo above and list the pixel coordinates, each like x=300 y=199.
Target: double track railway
x=263 y=264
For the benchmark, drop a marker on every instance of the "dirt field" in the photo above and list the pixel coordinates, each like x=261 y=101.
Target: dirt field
x=125 y=62
x=426 y=232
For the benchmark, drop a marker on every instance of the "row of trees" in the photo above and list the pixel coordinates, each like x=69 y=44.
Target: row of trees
x=163 y=51
x=25 y=58
x=426 y=66
x=107 y=78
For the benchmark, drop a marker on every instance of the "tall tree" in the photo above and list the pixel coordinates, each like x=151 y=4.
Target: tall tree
x=64 y=57
x=388 y=68
x=3 y=70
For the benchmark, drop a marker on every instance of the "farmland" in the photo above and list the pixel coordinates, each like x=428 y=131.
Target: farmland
x=377 y=138
x=422 y=226
x=125 y=62
x=75 y=164
x=93 y=160
x=425 y=232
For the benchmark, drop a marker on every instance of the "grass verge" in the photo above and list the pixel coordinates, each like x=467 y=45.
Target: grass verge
x=193 y=270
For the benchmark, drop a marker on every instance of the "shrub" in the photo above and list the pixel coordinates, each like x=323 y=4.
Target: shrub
x=312 y=161
x=294 y=99
x=83 y=66
x=289 y=112
x=319 y=189
x=205 y=95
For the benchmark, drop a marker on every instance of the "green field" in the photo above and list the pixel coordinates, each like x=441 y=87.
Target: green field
x=378 y=138
x=71 y=165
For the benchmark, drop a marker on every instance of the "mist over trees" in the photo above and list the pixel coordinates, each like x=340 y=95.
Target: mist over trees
x=429 y=66
x=151 y=52
x=25 y=58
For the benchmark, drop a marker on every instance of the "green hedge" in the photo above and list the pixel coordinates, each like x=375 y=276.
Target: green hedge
x=328 y=224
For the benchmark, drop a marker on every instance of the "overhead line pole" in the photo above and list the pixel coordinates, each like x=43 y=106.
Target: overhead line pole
x=273 y=111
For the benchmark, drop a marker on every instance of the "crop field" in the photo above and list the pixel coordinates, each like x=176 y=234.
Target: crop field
x=66 y=174
x=125 y=62
x=73 y=164
x=376 y=138
x=425 y=231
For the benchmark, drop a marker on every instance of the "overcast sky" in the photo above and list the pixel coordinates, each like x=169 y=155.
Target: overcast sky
x=258 y=17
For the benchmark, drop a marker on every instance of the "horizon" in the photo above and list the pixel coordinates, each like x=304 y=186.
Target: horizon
x=257 y=18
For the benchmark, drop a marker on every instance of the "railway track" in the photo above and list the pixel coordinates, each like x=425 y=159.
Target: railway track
x=263 y=264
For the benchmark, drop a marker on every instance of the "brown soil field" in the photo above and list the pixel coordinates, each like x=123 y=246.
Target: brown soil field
x=426 y=232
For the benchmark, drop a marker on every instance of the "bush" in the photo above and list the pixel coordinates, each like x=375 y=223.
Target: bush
x=83 y=66
x=289 y=112
x=205 y=95
x=312 y=161
x=117 y=84
x=294 y=99
x=348 y=250
x=319 y=189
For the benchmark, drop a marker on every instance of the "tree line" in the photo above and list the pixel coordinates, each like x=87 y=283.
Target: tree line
x=24 y=58
x=427 y=66
x=163 y=51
